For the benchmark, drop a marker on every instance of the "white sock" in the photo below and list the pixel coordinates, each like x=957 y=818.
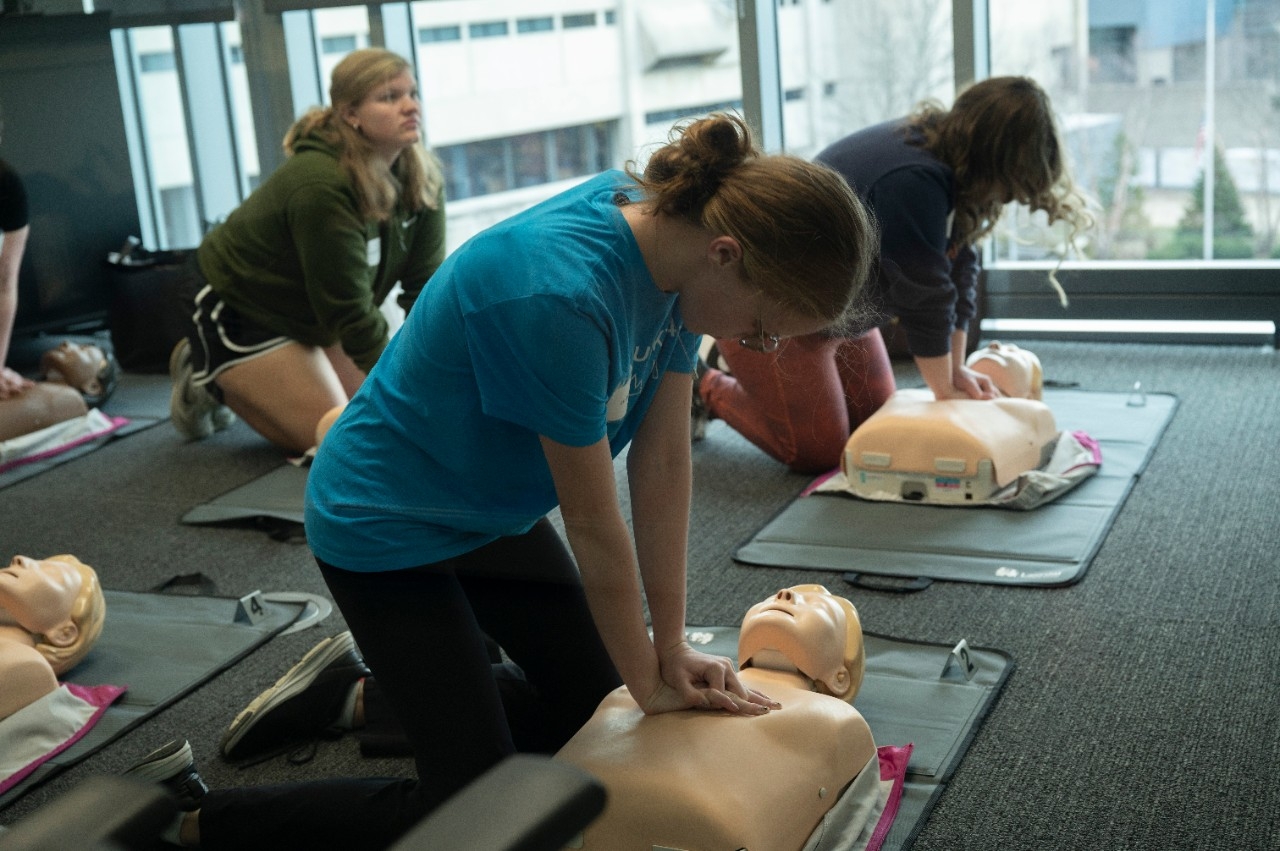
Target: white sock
x=171 y=833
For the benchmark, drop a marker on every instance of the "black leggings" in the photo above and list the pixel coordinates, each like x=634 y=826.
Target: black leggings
x=422 y=632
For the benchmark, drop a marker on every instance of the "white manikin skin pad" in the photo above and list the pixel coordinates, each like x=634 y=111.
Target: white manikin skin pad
x=962 y=452
x=56 y=438
x=698 y=781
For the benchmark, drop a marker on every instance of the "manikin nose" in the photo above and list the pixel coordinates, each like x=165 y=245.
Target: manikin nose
x=786 y=596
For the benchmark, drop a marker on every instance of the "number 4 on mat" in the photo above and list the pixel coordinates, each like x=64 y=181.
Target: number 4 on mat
x=252 y=608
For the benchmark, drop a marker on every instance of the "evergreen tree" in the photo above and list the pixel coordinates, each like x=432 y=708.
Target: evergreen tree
x=1232 y=233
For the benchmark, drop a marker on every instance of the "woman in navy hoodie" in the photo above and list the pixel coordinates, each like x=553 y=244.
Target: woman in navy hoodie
x=937 y=182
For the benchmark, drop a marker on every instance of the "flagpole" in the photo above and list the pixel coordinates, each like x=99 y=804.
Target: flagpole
x=1211 y=158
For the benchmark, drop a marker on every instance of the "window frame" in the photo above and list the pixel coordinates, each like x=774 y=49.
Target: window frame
x=1103 y=289
x=1185 y=291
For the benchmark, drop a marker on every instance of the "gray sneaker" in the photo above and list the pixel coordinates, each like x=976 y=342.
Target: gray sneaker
x=194 y=411
x=172 y=766
x=304 y=704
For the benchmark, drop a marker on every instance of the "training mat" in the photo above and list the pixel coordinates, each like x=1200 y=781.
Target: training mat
x=21 y=468
x=912 y=693
x=1050 y=545
x=278 y=495
x=139 y=402
x=160 y=647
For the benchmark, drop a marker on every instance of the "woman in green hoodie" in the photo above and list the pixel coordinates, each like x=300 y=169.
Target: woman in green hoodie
x=287 y=314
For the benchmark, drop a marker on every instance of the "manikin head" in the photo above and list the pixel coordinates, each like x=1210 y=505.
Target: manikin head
x=1015 y=371
x=58 y=601
x=808 y=629
x=83 y=366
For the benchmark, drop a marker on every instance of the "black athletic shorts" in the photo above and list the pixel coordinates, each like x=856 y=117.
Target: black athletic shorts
x=223 y=337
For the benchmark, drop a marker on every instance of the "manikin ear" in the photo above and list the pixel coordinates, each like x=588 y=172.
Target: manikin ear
x=63 y=635
x=724 y=250
x=93 y=388
x=842 y=684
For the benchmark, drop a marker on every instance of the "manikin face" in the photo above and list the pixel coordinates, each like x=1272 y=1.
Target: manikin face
x=805 y=625
x=1014 y=370
x=38 y=595
x=76 y=365
x=1001 y=353
x=390 y=115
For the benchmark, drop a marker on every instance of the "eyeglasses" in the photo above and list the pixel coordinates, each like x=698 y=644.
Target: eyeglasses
x=764 y=344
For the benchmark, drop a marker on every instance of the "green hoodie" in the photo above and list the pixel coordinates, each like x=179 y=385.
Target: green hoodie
x=298 y=258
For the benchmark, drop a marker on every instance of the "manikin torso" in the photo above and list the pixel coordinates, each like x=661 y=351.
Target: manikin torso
x=913 y=433
x=41 y=405
x=72 y=373
x=25 y=674
x=710 y=781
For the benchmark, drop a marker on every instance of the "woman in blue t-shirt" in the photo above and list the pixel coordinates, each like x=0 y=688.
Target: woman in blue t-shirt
x=542 y=348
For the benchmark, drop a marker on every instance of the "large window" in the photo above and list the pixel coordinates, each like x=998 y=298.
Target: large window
x=517 y=99
x=1150 y=124
x=848 y=64
x=521 y=98
x=168 y=184
x=1163 y=102
x=492 y=166
x=194 y=135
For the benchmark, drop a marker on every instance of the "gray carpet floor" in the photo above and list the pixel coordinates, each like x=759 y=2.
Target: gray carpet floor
x=1145 y=708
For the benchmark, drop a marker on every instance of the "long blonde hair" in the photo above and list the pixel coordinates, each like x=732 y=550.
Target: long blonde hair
x=807 y=241
x=416 y=178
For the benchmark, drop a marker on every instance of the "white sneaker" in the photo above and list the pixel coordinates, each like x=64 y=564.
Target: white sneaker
x=195 y=412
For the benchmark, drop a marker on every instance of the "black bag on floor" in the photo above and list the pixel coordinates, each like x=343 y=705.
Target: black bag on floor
x=151 y=305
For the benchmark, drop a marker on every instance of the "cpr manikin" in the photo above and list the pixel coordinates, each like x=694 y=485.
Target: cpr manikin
x=43 y=404
x=51 y=613
x=1015 y=371
x=708 y=781
x=84 y=366
x=77 y=376
x=916 y=448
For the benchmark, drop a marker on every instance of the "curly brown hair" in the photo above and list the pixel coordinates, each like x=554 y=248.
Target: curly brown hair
x=1002 y=141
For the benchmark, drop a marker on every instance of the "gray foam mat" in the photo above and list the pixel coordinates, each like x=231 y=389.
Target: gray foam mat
x=911 y=694
x=200 y=637
x=142 y=399
x=23 y=471
x=278 y=495
x=1049 y=545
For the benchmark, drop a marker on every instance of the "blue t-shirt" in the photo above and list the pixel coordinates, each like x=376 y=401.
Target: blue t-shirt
x=545 y=324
